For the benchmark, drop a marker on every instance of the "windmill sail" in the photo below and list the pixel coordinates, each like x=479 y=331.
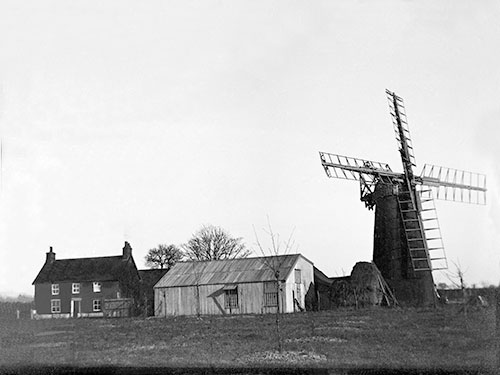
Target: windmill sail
x=432 y=230
x=349 y=168
x=401 y=129
x=454 y=184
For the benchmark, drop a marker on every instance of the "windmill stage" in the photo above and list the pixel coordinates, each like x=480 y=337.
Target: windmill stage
x=407 y=245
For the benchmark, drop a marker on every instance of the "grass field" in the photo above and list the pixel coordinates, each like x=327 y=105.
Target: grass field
x=433 y=338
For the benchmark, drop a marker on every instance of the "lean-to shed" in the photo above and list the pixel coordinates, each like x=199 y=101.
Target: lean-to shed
x=235 y=286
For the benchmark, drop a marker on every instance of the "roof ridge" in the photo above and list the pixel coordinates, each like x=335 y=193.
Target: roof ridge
x=238 y=270
x=101 y=257
x=238 y=259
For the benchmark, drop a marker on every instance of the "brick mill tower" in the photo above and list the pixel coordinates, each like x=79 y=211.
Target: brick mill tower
x=407 y=244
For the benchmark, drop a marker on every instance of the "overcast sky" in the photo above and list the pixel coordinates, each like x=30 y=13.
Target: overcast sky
x=143 y=120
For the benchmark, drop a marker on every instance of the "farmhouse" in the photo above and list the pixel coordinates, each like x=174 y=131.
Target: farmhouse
x=87 y=287
x=236 y=286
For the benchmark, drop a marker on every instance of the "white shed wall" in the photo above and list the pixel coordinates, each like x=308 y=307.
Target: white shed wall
x=306 y=283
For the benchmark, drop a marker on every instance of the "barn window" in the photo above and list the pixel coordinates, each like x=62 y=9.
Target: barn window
x=96 y=286
x=231 y=297
x=270 y=293
x=75 y=288
x=55 y=306
x=298 y=277
x=55 y=289
x=96 y=305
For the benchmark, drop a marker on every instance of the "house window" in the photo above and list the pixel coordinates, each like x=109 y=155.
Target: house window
x=55 y=306
x=75 y=288
x=270 y=293
x=96 y=304
x=231 y=297
x=55 y=289
x=96 y=286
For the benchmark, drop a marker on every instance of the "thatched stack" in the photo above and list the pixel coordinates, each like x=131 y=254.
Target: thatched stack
x=365 y=287
x=365 y=281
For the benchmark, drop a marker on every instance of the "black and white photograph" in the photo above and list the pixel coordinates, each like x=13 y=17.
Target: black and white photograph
x=218 y=186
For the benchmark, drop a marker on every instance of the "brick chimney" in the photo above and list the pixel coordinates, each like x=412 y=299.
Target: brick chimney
x=51 y=256
x=127 y=251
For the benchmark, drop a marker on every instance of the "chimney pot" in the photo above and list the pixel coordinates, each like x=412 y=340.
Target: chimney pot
x=127 y=251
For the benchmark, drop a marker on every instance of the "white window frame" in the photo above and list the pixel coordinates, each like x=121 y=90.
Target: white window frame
x=75 y=288
x=96 y=305
x=96 y=286
x=55 y=289
x=55 y=306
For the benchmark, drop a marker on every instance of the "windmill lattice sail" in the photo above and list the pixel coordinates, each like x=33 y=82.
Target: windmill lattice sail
x=349 y=168
x=432 y=230
x=400 y=124
x=454 y=184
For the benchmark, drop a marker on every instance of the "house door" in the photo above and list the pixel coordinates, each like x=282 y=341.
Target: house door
x=75 y=307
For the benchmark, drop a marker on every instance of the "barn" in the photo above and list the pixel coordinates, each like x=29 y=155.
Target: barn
x=236 y=286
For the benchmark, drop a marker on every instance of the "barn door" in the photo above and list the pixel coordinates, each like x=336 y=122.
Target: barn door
x=298 y=290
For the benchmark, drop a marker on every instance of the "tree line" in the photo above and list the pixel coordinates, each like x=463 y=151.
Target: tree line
x=208 y=243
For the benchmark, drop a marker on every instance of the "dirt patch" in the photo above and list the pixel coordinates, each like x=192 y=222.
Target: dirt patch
x=343 y=324
x=48 y=344
x=159 y=346
x=289 y=357
x=315 y=339
x=338 y=329
x=50 y=333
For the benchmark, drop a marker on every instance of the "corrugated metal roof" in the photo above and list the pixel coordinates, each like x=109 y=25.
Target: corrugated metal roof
x=228 y=271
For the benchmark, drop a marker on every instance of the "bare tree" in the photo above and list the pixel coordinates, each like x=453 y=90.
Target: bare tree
x=457 y=279
x=197 y=272
x=274 y=262
x=212 y=243
x=163 y=256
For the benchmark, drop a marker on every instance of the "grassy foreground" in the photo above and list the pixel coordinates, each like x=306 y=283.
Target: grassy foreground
x=441 y=338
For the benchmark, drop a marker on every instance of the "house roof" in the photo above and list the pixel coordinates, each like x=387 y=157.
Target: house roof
x=151 y=277
x=229 y=271
x=83 y=269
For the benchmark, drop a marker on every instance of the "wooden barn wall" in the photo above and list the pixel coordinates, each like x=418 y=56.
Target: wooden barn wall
x=182 y=300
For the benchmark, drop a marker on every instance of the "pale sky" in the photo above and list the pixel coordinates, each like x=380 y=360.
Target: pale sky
x=143 y=120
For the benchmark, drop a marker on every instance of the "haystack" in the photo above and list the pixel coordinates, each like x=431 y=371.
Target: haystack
x=366 y=284
x=365 y=287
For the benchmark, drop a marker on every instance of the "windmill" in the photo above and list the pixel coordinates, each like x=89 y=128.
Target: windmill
x=407 y=244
